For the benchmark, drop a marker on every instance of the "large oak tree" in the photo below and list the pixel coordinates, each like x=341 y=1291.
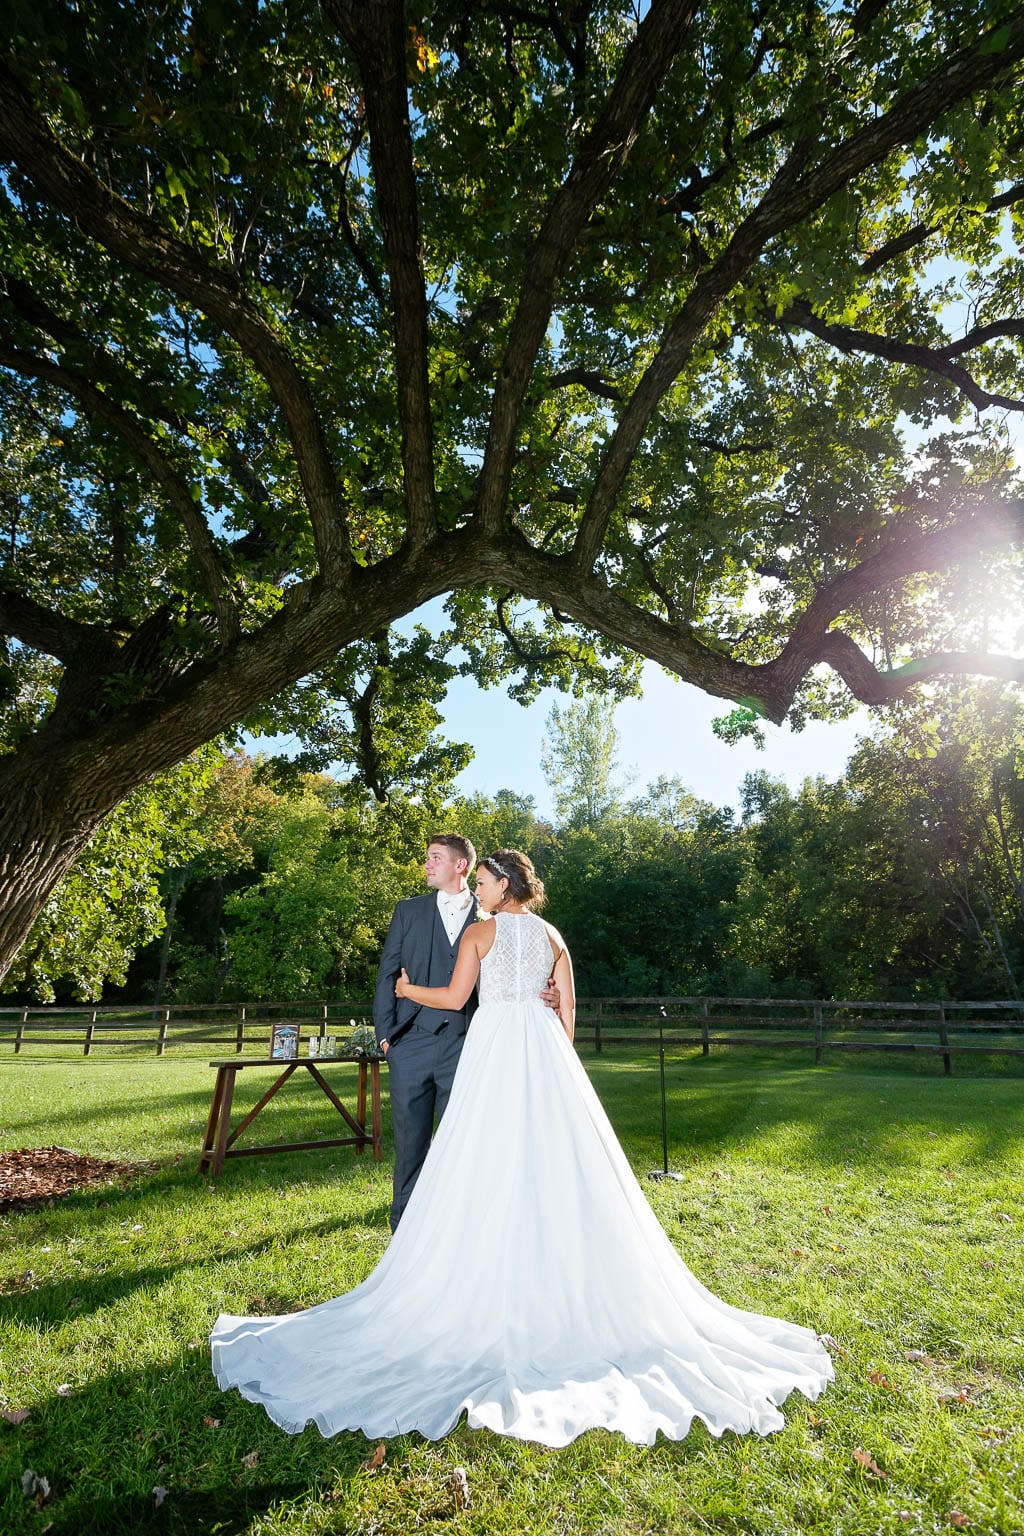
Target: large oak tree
x=640 y=329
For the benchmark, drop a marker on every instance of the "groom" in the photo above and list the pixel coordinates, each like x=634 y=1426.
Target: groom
x=422 y=1045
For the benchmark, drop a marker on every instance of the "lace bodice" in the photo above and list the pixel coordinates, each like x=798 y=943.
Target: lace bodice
x=519 y=962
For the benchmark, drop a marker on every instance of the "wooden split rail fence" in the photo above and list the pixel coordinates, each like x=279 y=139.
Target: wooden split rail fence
x=188 y=1028
x=817 y=1026
x=944 y=1029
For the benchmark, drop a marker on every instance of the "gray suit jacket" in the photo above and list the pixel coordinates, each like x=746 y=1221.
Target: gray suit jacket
x=416 y=940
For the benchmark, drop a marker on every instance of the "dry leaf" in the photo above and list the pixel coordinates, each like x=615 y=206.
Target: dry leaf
x=65 y=1389
x=33 y=1486
x=959 y=1396
x=878 y=1380
x=376 y=1461
x=159 y=1494
x=992 y=1432
x=15 y=1415
x=460 y=1482
x=915 y=1354
x=1002 y=1216
x=960 y=1521
x=251 y=1460
x=212 y=1423
x=865 y=1460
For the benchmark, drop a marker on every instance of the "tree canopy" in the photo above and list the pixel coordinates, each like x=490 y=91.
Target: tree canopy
x=677 y=330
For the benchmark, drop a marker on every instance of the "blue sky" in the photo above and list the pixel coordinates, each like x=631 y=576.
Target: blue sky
x=666 y=731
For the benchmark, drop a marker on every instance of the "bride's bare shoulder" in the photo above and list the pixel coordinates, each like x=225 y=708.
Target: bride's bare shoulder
x=558 y=944
x=479 y=936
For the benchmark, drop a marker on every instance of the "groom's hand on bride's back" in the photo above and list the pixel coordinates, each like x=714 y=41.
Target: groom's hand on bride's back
x=551 y=997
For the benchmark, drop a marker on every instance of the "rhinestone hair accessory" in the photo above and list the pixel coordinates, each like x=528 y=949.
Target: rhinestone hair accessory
x=498 y=867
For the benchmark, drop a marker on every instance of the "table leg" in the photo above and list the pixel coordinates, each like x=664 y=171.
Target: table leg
x=361 y=1106
x=225 y=1120
x=378 y=1137
x=211 y=1123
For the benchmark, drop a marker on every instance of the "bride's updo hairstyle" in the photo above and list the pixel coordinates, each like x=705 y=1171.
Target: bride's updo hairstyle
x=524 y=883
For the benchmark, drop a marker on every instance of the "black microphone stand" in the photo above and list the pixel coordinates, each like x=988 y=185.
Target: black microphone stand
x=663 y=1172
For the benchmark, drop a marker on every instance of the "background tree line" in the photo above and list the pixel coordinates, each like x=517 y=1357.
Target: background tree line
x=237 y=877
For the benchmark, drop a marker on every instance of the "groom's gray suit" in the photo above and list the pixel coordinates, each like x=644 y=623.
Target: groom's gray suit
x=423 y=1043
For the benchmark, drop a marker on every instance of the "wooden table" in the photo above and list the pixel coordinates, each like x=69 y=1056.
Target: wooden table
x=219 y=1142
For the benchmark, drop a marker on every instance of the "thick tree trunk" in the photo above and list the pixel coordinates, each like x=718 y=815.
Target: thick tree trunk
x=46 y=819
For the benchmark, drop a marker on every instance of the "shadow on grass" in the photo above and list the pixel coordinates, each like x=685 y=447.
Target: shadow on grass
x=106 y=1447
x=828 y=1116
x=188 y=1107
x=51 y=1305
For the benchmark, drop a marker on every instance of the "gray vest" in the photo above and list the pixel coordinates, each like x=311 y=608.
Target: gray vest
x=442 y=966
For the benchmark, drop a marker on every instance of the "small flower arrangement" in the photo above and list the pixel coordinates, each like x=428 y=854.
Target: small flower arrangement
x=362 y=1041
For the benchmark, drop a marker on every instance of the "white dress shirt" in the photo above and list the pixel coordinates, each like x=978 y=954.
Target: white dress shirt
x=453 y=911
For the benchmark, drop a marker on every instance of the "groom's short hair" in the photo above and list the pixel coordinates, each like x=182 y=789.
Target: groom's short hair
x=459 y=845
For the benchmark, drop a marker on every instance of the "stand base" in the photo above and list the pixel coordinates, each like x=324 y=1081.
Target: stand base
x=664 y=1173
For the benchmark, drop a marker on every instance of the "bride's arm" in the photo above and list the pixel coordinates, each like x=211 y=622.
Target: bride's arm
x=464 y=977
x=562 y=972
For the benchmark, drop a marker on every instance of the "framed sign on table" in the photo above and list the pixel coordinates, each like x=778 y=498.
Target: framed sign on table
x=284 y=1042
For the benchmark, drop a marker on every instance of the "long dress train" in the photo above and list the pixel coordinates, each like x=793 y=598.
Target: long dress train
x=529 y=1283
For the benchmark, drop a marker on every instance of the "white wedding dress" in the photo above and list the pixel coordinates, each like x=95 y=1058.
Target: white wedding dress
x=529 y=1283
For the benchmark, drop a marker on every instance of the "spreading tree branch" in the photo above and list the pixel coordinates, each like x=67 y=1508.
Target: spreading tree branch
x=938 y=360
x=41 y=629
x=212 y=577
x=142 y=244
x=793 y=194
x=811 y=640
x=658 y=40
x=375 y=31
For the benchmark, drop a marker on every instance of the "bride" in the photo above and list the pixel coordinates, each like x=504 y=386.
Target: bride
x=529 y=1284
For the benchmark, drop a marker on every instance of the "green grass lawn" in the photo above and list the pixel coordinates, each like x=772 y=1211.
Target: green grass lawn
x=883 y=1207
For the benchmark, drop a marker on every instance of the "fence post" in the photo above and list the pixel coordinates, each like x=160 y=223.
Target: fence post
x=240 y=1032
x=705 y=1043
x=947 y=1060
x=597 y=1028
x=161 y=1039
x=19 y=1037
x=819 y=1035
x=90 y=1031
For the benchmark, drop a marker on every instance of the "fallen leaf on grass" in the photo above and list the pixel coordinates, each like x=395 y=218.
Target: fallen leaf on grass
x=865 y=1460
x=252 y=1459
x=1002 y=1216
x=460 y=1483
x=878 y=1380
x=159 y=1494
x=376 y=1461
x=33 y=1486
x=960 y=1521
x=992 y=1432
x=915 y=1355
x=65 y=1389
x=212 y=1423
x=956 y=1398
x=15 y=1415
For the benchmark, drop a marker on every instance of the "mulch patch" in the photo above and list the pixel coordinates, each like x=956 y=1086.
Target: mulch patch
x=34 y=1176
